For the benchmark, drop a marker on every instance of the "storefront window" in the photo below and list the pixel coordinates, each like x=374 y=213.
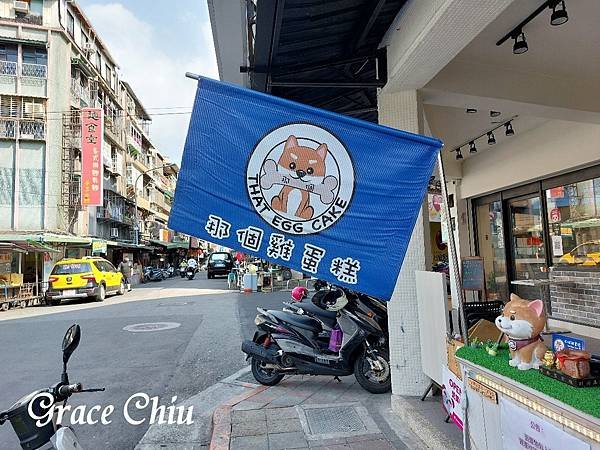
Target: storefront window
x=491 y=249
x=574 y=218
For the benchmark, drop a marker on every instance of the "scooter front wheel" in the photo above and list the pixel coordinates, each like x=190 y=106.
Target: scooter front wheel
x=376 y=380
x=268 y=377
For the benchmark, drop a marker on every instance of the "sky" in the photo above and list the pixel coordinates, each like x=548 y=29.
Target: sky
x=155 y=43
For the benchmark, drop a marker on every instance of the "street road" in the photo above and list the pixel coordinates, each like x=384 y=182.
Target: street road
x=181 y=361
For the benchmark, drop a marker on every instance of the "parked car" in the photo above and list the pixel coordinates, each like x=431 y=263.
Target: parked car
x=586 y=254
x=219 y=263
x=88 y=277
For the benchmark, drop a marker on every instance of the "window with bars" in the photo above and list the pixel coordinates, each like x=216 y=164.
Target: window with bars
x=9 y=106
x=33 y=109
x=8 y=52
x=35 y=55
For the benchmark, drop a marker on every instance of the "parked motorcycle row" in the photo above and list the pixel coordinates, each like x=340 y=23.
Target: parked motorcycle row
x=157 y=274
x=337 y=332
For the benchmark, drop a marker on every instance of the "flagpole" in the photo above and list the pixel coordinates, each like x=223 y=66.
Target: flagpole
x=193 y=76
x=452 y=253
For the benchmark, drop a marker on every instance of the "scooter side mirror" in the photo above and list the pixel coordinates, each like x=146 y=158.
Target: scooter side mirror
x=70 y=342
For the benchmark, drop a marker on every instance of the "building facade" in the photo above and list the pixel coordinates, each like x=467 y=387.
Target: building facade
x=53 y=64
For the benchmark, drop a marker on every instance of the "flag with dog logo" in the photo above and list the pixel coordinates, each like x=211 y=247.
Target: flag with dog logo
x=333 y=197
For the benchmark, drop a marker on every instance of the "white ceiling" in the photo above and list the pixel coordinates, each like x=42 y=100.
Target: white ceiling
x=455 y=127
x=558 y=78
x=571 y=50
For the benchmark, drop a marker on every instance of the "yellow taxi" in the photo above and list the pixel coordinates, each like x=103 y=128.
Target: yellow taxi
x=586 y=254
x=90 y=276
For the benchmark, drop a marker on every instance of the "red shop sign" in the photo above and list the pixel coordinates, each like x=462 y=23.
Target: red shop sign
x=92 y=168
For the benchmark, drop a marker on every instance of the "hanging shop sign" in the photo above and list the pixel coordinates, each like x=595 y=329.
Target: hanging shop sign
x=92 y=169
x=315 y=191
x=521 y=429
x=453 y=397
x=99 y=247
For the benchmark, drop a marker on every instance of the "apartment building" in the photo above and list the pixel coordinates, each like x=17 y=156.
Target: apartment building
x=53 y=64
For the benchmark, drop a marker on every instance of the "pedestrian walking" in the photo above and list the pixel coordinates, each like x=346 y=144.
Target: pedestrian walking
x=125 y=267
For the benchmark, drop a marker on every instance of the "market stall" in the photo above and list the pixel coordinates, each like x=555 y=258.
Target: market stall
x=512 y=408
x=19 y=287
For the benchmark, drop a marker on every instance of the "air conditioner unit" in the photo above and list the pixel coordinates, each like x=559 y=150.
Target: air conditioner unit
x=114 y=232
x=22 y=6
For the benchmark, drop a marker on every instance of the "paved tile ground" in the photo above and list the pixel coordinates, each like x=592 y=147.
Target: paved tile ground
x=272 y=419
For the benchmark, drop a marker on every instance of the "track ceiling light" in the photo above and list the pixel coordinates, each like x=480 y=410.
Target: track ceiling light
x=520 y=46
x=559 y=14
x=459 y=154
x=558 y=17
x=491 y=138
x=472 y=148
x=509 y=129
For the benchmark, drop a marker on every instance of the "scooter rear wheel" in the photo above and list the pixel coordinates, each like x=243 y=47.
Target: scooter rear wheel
x=268 y=377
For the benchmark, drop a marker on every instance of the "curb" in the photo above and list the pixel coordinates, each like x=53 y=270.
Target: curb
x=417 y=423
x=221 y=419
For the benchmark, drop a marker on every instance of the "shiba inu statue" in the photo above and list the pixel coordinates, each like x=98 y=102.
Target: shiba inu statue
x=523 y=321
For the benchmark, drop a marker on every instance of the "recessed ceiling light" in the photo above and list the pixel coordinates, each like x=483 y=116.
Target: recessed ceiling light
x=494 y=113
x=471 y=110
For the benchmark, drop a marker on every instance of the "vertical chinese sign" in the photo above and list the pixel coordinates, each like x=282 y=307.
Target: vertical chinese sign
x=91 y=157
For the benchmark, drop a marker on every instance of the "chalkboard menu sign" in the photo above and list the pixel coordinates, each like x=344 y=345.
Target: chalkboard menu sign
x=473 y=275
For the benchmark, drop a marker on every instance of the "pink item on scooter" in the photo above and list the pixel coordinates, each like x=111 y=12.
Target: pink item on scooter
x=299 y=293
x=335 y=340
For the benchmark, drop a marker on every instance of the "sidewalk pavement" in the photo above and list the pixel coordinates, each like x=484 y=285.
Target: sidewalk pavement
x=303 y=412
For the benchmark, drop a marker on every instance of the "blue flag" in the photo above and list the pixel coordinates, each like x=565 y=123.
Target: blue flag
x=322 y=193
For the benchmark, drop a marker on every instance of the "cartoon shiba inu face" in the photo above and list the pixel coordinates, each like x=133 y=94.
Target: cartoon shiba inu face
x=521 y=319
x=303 y=163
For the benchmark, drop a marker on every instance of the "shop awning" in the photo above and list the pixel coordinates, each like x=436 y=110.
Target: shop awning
x=323 y=54
x=130 y=245
x=27 y=247
x=172 y=245
x=46 y=238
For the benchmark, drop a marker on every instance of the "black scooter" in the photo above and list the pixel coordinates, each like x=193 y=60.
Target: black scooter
x=288 y=343
x=51 y=435
x=190 y=273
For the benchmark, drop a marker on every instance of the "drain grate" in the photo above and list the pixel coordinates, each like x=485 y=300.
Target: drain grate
x=152 y=326
x=336 y=420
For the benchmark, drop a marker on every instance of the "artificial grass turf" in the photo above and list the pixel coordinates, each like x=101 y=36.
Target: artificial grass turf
x=582 y=399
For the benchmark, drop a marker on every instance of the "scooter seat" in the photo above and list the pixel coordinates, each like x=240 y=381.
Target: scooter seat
x=329 y=318
x=304 y=322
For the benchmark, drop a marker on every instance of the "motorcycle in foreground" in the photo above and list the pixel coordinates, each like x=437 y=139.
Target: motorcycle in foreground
x=287 y=344
x=51 y=436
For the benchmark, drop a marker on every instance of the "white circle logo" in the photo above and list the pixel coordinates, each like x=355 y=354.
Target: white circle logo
x=300 y=178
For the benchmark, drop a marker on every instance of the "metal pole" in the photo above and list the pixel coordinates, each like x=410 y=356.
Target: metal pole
x=452 y=253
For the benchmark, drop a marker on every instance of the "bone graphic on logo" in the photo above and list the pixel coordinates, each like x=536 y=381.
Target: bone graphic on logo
x=324 y=190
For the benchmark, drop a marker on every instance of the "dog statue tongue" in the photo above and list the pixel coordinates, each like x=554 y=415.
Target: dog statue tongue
x=523 y=321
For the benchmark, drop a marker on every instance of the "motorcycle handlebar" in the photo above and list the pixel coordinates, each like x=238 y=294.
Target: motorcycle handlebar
x=68 y=389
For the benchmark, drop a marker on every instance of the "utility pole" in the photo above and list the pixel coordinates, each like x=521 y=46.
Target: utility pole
x=136 y=227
